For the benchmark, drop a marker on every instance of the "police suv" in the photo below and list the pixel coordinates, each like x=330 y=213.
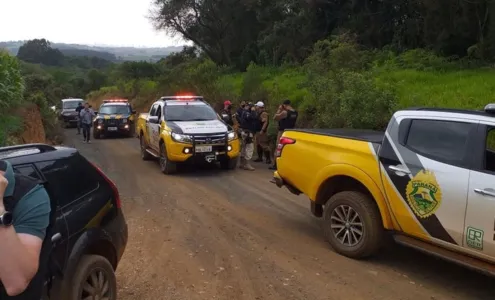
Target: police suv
x=114 y=117
x=181 y=129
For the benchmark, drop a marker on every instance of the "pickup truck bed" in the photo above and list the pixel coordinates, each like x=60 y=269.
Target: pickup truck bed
x=353 y=134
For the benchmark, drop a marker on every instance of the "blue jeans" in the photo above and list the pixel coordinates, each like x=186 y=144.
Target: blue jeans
x=86 y=129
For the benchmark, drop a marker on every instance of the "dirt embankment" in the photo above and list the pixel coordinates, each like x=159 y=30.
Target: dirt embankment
x=33 y=130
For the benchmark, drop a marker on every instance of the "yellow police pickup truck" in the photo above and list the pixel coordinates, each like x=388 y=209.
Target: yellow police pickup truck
x=429 y=180
x=186 y=129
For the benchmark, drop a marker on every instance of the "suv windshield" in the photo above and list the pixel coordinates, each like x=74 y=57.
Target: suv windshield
x=70 y=104
x=190 y=113
x=114 y=110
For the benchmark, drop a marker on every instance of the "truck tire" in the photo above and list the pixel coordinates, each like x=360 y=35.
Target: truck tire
x=352 y=225
x=94 y=271
x=228 y=163
x=166 y=166
x=144 y=154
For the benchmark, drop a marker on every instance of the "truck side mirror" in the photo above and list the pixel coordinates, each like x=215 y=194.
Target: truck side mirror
x=404 y=127
x=134 y=112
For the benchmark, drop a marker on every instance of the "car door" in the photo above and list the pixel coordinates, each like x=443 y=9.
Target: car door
x=60 y=231
x=425 y=174
x=150 y=127
x=480 y=215
x=155 y=131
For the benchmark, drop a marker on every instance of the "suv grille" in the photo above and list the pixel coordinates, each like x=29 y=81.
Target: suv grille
x=112 y=122
x=210 y=139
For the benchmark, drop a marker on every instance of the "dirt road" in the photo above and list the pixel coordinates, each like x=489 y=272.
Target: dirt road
x=211 y=234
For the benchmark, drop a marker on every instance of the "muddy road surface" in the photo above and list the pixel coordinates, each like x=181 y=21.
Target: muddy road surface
x=212 y=234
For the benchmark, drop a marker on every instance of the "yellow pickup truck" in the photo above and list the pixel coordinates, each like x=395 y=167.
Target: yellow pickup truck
x=428 y=180
x=186 y=129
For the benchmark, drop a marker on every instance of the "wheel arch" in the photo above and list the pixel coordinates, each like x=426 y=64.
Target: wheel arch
x=349 y=178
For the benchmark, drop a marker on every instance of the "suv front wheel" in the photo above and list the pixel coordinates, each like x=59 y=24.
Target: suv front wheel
x=94 y=279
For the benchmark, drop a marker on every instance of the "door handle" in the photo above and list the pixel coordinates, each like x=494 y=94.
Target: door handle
x=485 y=192
x=56 y=237
x=398 y=169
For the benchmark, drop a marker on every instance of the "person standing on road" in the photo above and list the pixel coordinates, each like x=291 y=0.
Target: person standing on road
x=261 y=137
x=78 y=110
x=87 y=115
x=226 y=113
x=24 y=219
x=286 y=116
x=248 y=127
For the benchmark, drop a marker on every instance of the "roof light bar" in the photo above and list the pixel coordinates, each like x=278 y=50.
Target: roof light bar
x=115 y=100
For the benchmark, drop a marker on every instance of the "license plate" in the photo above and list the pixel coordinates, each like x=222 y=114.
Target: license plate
x=203 y=149
x=112 y=128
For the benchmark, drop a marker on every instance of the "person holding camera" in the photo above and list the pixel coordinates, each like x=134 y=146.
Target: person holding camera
x=24 y=221
x=87 y=114
x=247 y=130
x=261 y=136
x=286 y=116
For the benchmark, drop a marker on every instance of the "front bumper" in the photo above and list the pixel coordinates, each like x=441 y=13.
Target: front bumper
x=70 y=119
x=179 y=152
x=113 y=128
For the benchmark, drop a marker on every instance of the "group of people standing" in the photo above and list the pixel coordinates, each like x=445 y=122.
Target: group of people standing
x=251 y=123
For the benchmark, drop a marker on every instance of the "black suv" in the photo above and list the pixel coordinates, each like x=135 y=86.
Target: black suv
x=90 y=232
x=114 y=117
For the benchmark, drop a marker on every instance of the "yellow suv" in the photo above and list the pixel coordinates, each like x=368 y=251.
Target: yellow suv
x=180 y=129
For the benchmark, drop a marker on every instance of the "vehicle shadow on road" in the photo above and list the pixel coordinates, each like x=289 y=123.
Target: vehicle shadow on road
x=420 y=267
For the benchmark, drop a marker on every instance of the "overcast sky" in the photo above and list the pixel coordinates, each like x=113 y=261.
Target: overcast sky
x=91 y=22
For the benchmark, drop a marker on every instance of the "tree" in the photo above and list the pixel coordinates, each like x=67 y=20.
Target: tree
x=39 y=51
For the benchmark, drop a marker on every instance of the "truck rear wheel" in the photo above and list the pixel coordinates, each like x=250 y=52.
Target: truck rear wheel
x=166 y=166
x=352 y=225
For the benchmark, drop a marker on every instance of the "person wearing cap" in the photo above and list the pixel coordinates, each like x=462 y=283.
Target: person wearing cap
x=261 y=136
x=248 y=123
x=24 y=219
x=226 y=113
x=286 y=116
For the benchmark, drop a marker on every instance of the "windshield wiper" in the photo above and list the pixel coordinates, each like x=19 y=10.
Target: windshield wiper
x=201 y=120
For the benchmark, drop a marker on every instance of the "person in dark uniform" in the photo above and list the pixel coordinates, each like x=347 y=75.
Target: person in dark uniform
x=25 y=216
x=226 y=113
x=286 y=116
x=261 y=136
x=78 y=110
x=247 y=130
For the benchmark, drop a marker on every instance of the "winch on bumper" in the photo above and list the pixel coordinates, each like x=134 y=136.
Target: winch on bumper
x=211 y=147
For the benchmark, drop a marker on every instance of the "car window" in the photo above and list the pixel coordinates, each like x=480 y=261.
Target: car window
x=114 y=110
x=27 y=170
x=443 y=141
x=159 y=112
x=190 y=113
x=153 y=110
x=490 y=150
x=70 y=104
x=69 y=178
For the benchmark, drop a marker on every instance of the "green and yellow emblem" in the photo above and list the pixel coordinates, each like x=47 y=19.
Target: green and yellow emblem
x=424 y=194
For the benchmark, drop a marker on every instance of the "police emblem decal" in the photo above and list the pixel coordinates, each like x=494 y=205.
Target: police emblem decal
x=423 y=194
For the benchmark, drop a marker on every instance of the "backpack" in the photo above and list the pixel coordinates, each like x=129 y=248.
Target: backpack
x=47 y=265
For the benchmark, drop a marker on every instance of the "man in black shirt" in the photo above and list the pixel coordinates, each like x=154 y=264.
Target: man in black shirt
x=286 y=116
x=78 y=110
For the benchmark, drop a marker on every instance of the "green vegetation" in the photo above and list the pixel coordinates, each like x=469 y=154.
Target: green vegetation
x=343 y=64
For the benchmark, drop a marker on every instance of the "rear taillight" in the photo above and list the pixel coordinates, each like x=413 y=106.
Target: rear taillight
x=281 y=144
x=112 y=185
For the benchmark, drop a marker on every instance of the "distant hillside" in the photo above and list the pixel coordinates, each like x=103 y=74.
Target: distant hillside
x=108 y=53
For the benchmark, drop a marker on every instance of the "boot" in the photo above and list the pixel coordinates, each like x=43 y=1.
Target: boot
x=259 y=150
x=242 y=163
x=268 y=159
x=248 y=167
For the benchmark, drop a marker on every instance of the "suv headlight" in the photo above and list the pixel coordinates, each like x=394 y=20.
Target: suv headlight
x=231 y=135
x=181 y=138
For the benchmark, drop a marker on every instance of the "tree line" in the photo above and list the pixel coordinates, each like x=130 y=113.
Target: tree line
x=272 y=32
